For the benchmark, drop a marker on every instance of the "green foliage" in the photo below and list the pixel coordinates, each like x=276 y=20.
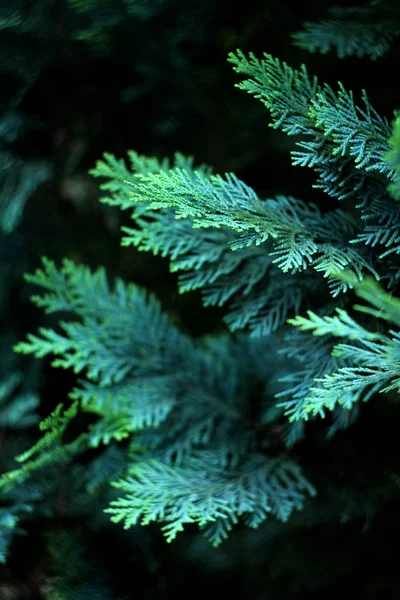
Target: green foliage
x=184 y=425
x=201 y=492
x=19 y=399
x=387 y=307
x=48 y=449
x=205 y=257
x=393 y=157
x=186 y=402
x=172 y=207
x=349 y=147
x=366 y=366
x=353 y=31
x=346 y=144
x=298 y=236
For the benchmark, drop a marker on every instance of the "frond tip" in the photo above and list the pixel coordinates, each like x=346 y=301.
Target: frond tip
x=201 y=492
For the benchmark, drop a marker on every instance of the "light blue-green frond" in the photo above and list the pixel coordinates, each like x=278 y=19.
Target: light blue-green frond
x=200 y=492
x=345 y=144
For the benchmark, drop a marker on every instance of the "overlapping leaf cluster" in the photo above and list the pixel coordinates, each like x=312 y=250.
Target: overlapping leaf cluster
x=184 y=405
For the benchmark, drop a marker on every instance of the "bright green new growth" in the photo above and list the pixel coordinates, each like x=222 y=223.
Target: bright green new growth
x=373 y=357
x=393 y=157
